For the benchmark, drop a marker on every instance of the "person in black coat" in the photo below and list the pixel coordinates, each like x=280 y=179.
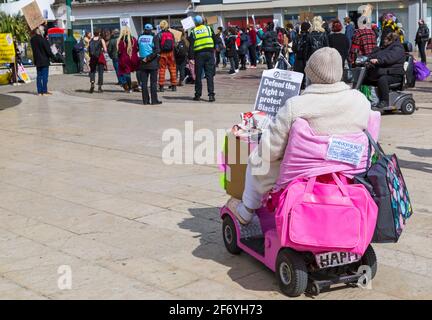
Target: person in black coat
x=339 y=41
x=41 y=57
x=421 y=39
x=231 y=50
x=243 y=49
x=270 y=45
x=388 y=67
x=317 y=36
x=300 y=49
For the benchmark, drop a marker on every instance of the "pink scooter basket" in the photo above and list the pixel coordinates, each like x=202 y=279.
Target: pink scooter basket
x=321 y=217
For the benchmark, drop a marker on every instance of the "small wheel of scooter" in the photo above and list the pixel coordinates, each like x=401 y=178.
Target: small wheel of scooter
x=369 y=259
x=408 y=106
x=230 y=235
x=291 y=273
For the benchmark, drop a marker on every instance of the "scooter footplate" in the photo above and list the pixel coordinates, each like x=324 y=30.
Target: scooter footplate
x=256 y=244
x=251 y=230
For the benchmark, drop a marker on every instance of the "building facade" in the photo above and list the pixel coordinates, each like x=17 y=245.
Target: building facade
x=244 y=12
x=90 y=15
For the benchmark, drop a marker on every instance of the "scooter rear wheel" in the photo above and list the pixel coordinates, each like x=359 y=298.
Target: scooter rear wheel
x=229 y=234
x=369 y=259
x=291 y=273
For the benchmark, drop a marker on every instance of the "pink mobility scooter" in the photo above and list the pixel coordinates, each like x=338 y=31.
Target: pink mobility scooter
x=296 y=272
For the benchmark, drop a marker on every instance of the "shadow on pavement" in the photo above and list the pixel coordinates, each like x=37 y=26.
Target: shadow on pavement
x=7 y=101
x=23 y=92
x=241 y=267
x=104 y=90
x=187 y=98
x=419 y=152
x=133 y=101
x=416 y=165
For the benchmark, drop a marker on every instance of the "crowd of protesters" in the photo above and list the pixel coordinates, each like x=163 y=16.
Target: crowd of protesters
x=200 y=51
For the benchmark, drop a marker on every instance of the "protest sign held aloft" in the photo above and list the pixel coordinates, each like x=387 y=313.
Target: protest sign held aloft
x=33 y=15
x=7 y=48
x=276 y=87
x=188 y=23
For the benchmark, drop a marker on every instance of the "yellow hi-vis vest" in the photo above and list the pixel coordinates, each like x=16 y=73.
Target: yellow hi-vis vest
x=202 y=38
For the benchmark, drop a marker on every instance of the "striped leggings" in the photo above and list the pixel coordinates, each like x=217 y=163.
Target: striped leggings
x=167 y=61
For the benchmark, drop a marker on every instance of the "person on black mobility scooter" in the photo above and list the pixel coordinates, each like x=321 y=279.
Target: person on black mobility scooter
x=387 y=68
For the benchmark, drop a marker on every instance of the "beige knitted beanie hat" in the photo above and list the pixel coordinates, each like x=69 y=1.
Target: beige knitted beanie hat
x=324 y=66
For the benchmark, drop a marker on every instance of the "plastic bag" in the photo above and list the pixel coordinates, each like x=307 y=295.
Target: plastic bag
x=421 y=71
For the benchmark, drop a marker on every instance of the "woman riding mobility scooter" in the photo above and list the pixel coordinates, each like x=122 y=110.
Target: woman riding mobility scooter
x=383 y=63
x=309 y=233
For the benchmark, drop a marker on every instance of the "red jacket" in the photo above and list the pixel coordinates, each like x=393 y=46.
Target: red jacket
x=253 y=36
x=238 y=41
x=128 y=64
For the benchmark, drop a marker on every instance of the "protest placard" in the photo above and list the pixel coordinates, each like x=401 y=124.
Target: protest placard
x=177 y=34
x=188 y=23
x=306 y=16
x=276 y=87
x=212 y=20
x=125 y=22
x=7 y=48
x=33 y=15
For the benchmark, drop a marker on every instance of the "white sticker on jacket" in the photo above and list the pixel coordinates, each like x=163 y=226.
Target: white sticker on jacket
x=345 y=151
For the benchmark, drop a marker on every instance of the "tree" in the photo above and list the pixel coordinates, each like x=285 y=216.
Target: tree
x=16 y=25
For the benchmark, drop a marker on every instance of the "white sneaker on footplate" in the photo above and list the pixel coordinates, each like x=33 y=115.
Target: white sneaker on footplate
x=233 y=204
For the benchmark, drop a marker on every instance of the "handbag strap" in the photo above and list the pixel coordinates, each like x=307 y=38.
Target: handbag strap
x=311 y=183
x=340 y=185
x=375 y=145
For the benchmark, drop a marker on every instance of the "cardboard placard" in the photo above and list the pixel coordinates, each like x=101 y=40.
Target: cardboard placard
x=188 y=23
x=125 y=22
x=276 y=87
x=212 y=20
x=306 y=16
x=7 y=48
x=236 y=157
x=33 y=15
x=177 y=34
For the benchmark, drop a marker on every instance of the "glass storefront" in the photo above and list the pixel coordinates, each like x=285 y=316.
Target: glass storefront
x=80 y=27
x=106 y=24
x=103 y=25
x=173 y=21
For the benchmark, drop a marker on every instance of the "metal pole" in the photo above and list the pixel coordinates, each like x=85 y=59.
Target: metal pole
x=70 y=65
x=421 y=9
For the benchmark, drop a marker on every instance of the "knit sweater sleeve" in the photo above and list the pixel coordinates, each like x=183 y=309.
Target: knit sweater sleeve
x=265 y=159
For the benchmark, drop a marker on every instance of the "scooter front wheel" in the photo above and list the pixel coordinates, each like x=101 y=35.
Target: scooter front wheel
x=291 y=273
x=230 y=235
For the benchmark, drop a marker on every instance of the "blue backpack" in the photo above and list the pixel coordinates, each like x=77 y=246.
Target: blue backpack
x=146 y=45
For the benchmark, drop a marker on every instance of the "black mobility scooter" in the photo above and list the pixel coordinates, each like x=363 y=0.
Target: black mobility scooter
x=399 y=99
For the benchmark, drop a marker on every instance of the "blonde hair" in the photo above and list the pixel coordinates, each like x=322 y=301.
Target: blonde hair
x=164 y=25
x=126 y=37
x=316 y=24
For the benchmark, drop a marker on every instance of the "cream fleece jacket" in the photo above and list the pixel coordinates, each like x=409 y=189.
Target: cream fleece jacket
x=329 y=109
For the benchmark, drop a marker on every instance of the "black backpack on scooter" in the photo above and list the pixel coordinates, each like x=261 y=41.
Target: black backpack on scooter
x=410 y=78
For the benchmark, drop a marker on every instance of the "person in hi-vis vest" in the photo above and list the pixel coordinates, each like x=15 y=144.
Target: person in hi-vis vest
x=202 y=41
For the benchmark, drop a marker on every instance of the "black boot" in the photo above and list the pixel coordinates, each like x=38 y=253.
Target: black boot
x=212 y=98
x=161 y=88
x=173 y=88
x=100 y=89
x=92 y=86
x=382 y=104
x=156 y=102
x=197 y=98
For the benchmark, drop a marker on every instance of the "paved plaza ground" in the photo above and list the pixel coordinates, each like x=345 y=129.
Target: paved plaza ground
x=82 y=184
